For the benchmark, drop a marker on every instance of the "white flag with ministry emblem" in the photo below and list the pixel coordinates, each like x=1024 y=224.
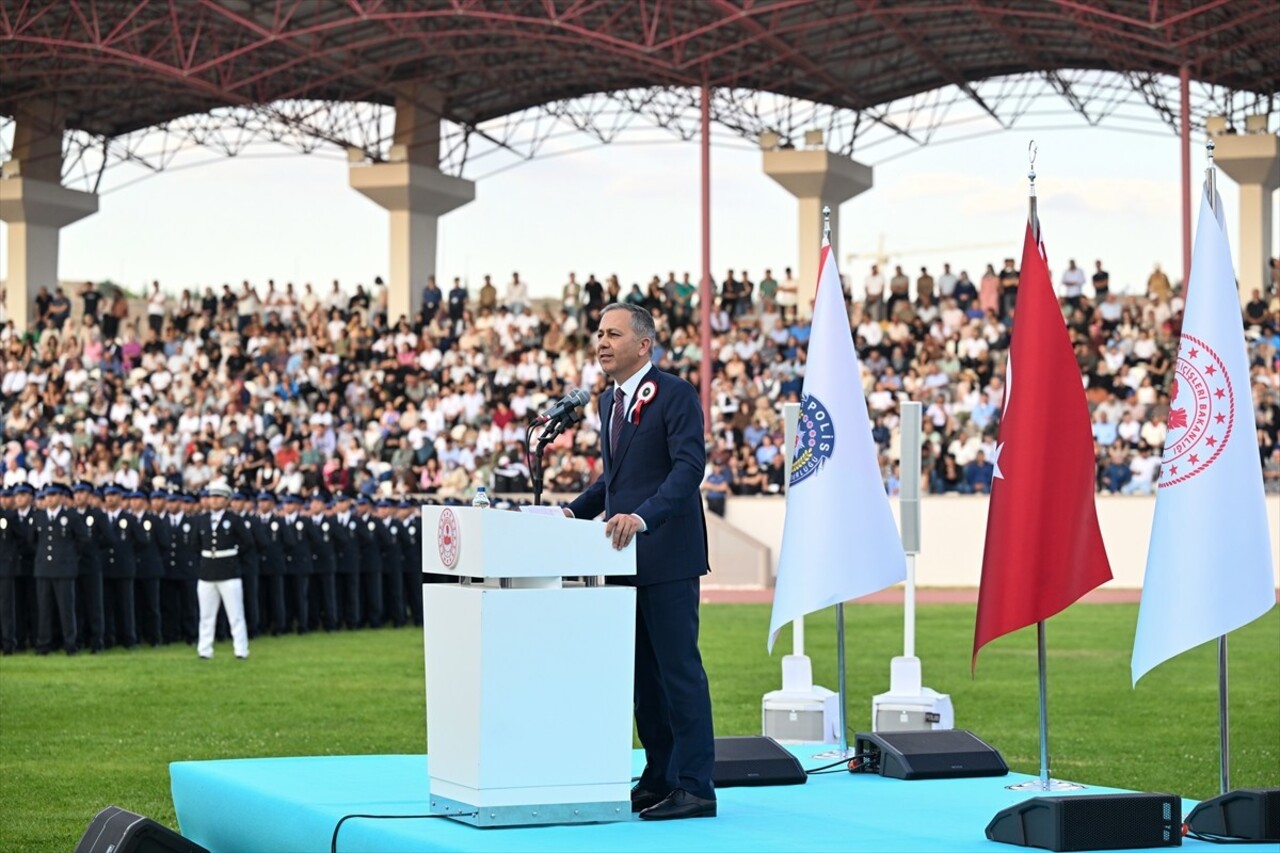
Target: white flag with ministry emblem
x=839 y=541
x=1209 y=565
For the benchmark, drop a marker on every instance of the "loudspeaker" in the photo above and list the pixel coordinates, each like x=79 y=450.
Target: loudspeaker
x=742 y=761
x=1252 y=813
x=1091 y=822
x=114 y=830
x=941 y=754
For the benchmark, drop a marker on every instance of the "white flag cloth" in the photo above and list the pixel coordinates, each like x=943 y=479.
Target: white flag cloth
x=839 y=541
x=1209 y=565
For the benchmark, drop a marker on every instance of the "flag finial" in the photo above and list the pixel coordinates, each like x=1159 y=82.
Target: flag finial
x=1211 y=176
x=826 y=223
x=1032 y=151
x=1032 y=216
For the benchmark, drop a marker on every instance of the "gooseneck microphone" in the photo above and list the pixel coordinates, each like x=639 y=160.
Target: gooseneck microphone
x=564 y=407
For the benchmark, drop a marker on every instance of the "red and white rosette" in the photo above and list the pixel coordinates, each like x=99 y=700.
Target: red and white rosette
x=645 y=395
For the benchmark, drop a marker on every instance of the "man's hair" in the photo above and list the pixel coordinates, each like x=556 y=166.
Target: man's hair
x=641 y=320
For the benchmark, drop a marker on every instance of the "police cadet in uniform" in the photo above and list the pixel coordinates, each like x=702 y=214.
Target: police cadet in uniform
x=324 y=594
x=24 y=588
x=179 y=608
x=346 y=542
x=411 y=524
x=150 y=554
x=121 y=535
x=297 y=548
x=392 y=562
x=12 y=543
x=219 y=535
x=54 y=531
x=271 y=561
x=242 y=506
x=92 y=621
x=367 y=531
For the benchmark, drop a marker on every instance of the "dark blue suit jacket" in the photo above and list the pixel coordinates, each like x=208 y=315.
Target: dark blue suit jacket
x=656 y=472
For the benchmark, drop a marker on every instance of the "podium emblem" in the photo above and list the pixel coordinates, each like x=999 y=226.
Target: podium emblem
x=448 y=538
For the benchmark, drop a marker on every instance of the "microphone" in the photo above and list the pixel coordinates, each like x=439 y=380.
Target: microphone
x=575 y=399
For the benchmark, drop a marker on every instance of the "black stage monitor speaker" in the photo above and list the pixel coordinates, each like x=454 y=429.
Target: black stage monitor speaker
x=1091 y=822
x=939 y=754
x=114 y=830
x=1249 y=813
x=742 y=761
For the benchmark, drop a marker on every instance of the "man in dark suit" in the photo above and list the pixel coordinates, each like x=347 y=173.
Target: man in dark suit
x=55 y=532
x=296 y=532
x=654 y=457
x=271 y=562
x=121 y=535
x=178 y=604
x=411 y=523
x=155 y=541
x=24 y=589
x=12 y=543
x=347 y=558
x=392 y=562
x=323 y=606
x=369 y=534
x=92 y=624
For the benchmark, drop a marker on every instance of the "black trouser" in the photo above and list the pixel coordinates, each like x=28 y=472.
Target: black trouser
x=8 y=616
x=393 y=592
x=350 y=585
x=372 y=598
x=273 y=595
x=24 y=600
x=89 y=603
x=300 y=585
x=252 y=613
x=413 y=592
x=59 y=592
x=324 y=602
x=179 y=610
x=117 y=608
x=147 y=591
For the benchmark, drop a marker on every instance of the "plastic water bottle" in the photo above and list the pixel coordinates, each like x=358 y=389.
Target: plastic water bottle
x=481 y=499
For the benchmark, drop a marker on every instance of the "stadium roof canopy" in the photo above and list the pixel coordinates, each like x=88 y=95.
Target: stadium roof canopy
x=119 y=65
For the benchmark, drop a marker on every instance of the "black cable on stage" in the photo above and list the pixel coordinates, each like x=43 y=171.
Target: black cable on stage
x=333 y=845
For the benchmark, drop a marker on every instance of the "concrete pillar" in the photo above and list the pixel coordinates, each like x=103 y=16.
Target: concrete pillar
x=411 y=187
x=35 y=206
x=1252 y=160
x=817 y=178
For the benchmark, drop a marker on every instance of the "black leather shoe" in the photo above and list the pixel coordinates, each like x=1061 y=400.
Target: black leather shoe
x=642 y=799
x=680 y=804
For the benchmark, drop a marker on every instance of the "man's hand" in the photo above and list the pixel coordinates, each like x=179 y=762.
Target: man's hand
x=568 y=513
x=621 y=528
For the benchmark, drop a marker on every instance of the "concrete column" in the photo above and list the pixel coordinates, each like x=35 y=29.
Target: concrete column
x=817 y=178
x=1252 y=160
x=411 y=187
x=35 y=206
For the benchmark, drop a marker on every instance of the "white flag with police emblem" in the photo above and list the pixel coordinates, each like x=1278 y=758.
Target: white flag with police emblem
x=1209 y=565
x=839 y=541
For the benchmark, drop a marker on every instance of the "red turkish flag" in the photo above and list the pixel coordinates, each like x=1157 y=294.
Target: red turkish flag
x=1044 y=549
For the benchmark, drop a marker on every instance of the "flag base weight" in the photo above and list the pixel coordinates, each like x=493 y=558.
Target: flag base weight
x=1045 y=785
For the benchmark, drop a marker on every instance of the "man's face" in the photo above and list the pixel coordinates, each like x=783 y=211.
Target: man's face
x=619 y=349
x=217 y=503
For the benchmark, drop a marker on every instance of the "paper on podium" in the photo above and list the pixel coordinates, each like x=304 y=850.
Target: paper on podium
x=490 y=543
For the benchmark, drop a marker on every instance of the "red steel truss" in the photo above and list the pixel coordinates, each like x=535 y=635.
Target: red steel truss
x=116 y=66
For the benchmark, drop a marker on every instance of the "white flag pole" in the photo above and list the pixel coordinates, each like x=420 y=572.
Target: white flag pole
x=1224 y=725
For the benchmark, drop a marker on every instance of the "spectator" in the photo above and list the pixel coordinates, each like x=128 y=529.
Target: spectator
x=977 y=475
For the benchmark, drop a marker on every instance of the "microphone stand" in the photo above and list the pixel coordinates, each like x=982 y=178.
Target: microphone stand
x=554 y=429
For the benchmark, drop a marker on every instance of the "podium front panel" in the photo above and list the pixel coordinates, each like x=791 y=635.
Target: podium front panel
x=492 y=543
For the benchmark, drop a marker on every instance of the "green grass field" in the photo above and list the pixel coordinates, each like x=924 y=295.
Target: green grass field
x=78 y=734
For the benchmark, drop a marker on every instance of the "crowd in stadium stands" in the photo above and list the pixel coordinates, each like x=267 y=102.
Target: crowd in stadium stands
x=291 y=396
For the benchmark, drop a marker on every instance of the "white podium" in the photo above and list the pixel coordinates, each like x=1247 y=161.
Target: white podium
x=528 y=680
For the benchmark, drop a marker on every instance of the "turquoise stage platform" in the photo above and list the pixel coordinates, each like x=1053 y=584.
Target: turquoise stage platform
x=293 y=804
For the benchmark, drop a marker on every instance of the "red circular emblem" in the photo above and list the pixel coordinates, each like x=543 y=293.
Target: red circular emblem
x=1202 y=411
x=448 y=538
